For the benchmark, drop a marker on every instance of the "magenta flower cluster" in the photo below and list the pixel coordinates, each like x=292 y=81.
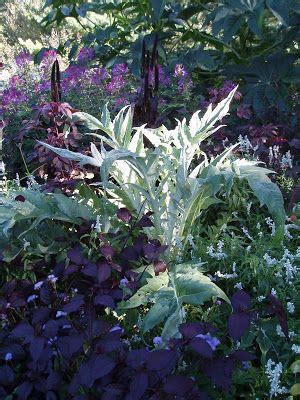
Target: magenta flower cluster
x=85 y=55
x=23 y=59
x=32 y=85
x=184 y=80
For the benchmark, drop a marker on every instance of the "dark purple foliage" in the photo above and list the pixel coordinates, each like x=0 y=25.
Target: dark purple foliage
x=20 y=198
x=276 y=307
x=145 y=221
x=178 y=385
x=239 y=321
x=124 y=214
x=159 y=266
x=153 y=251
x=66 y=339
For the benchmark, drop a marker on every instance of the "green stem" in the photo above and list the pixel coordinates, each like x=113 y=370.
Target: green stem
x=24 y=161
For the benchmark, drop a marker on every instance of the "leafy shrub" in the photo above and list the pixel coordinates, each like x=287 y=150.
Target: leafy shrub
x=61 y=338
x=205 y=37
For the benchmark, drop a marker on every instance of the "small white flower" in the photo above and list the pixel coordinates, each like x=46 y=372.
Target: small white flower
x=225 y=276
x=290 y=271
x=97 y=226
x=279 y=331
x=8 y=356
x=32 y=298
x=261 y=298
x=157 y=341
x=273 y=292
x=248 y=207
x=17 y=180
x=269 y=260
x=296 y=348
x=38 y=285
x=182 y=366
x=281 y=334
x=61 y=314
x=273 y=372
x=238 y=285
x=52 y=278
x=286 y=160
x=271 y=225
x=245 y=144
x=25 y=244
x=290 y=307
x=218 y=254
x=190 y=239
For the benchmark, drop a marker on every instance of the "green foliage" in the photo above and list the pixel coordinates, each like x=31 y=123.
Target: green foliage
x=266 y=79
x=165 y=180
x=205 y=36
x=39 y=219
x=184 y=284
x=37 y=207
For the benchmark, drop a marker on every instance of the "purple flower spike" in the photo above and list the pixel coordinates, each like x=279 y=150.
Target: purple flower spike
x=23 y=59
x=85 y=55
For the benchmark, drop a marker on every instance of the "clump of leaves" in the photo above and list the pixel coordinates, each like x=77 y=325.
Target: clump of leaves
x=60 y=337
x=146 y=175
x=172 y=183
x=52 y=122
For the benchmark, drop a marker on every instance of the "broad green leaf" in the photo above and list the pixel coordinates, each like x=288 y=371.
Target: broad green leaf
x=184 y=284
x=72 y=155
x=295 y=389
x=264 y=189
x=93 y=123
x=145 y=293
x=171 y=325
x=157 y=314
x=295 y=367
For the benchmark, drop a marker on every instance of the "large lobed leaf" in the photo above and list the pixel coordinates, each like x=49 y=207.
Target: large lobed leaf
x=184 y=284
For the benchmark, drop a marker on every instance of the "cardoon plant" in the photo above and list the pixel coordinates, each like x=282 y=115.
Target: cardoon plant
x=172 y=180
x=175 y=181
